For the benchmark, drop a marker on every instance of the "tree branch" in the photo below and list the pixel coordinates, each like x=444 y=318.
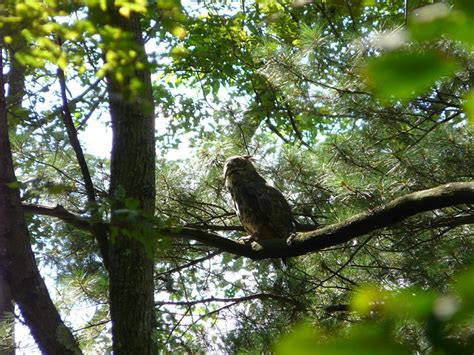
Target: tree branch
x=443 y=196
x=447 y=195
x=64 y=215
x=99 y=234
x=260 y=296
x=163 y=275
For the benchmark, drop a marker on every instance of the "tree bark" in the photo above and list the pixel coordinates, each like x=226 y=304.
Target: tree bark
x=131 y=289
x=17 y=261
x=7 y=319
x=16 y=92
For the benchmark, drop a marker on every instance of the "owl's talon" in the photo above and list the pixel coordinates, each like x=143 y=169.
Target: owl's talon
x=290 y=238
x=245 y=240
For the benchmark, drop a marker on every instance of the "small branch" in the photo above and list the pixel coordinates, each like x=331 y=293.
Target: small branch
x=353 y=19
x=260 y=296
x=294 y=126
x=275 y=130
x=322 y=8
x=452 y=221
x=73 y=138
x=341 y=267
x=189 y=264
x=61 y=213
x=337 y=308
x=213 y=227
x=92 y=325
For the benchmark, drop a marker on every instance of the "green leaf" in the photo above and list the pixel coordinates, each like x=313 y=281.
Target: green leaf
x=432 y=22
x=301 y=341
x=405 y=74
x=13 y=185
x=132 y=204
x=467 y=6
x=469 y=106
x=464 y=285
x=364 y=300
x=56 y=189
x=364 y=339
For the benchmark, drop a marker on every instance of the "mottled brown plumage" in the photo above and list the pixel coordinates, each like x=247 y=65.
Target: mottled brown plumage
x=262 y=209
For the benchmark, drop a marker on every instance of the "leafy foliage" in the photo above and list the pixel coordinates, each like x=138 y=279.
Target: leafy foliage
x=442 y=320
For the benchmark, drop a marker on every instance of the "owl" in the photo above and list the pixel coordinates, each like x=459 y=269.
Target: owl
x=262 y=209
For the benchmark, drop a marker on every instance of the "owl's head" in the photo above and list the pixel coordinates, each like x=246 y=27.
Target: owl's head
x=239 y=163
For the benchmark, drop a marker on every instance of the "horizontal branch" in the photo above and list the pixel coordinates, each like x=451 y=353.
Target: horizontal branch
x=162 y=275
x=443 y=196
x=61 y=213
x=232 y=228
x=260 y=296
x=337 y=308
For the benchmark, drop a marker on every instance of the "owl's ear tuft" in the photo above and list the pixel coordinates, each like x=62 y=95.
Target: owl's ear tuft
x=249 y=157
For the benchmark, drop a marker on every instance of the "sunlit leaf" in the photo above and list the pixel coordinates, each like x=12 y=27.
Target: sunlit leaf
x=436 y=21
x=367 y=299
x=464 y=285
x=179 y=32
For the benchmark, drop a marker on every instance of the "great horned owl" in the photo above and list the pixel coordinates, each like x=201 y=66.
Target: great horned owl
x=262 y=209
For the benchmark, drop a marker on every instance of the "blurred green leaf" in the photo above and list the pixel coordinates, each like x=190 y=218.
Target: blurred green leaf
x=13 y=185
x=56 y=189
x=464 y=286
x=410 y=304
x=469 y=106
x=467 y=6
x=366 y=298
x=405 y=74
x=433 y=22
x=302 y=340
x=369 y=338
x=442 y=316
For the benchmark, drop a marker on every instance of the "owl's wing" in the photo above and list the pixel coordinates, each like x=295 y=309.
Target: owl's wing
x=261 y=208
x=273 y=205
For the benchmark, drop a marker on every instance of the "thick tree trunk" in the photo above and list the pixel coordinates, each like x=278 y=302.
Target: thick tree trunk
x=132 y=179
x=17 y=261
x=16 y=91
x=7 y=320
